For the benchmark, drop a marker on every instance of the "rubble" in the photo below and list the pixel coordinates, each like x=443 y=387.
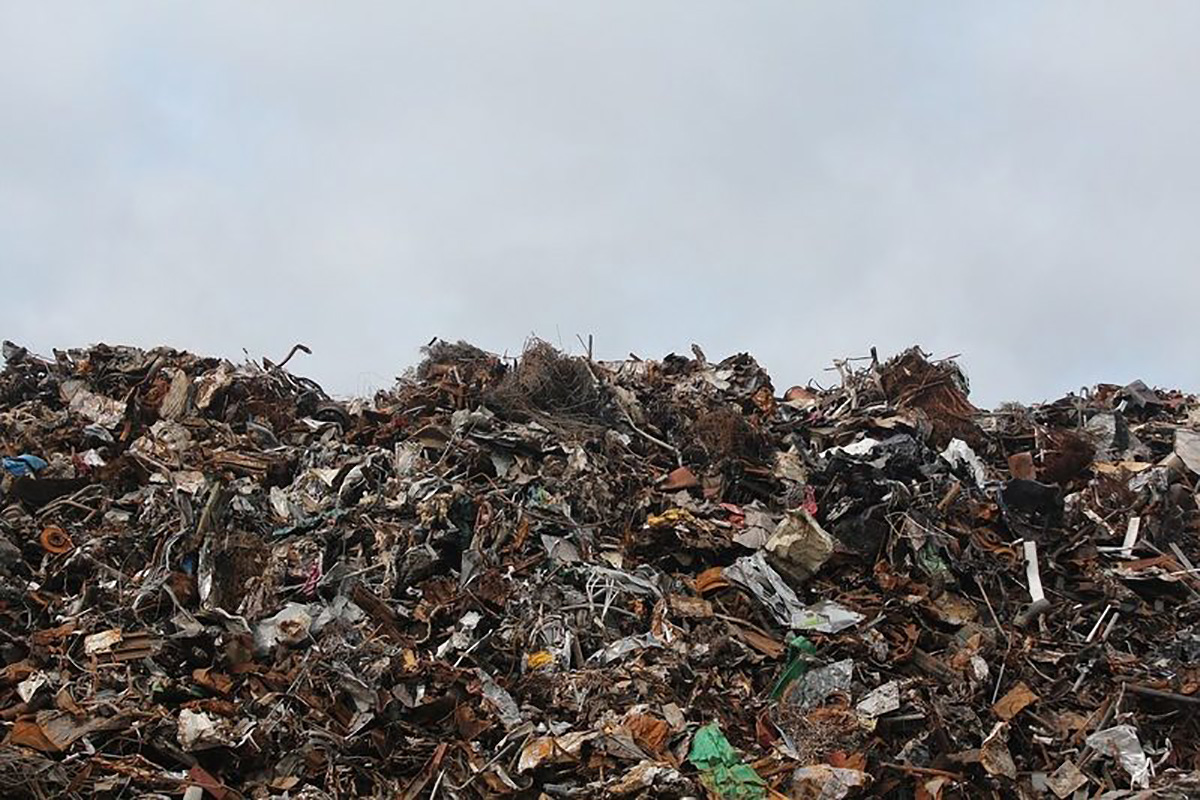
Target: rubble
x=555 y=577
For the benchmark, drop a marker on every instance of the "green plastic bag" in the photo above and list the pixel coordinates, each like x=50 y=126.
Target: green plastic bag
x=801 y=649
x=721 y=770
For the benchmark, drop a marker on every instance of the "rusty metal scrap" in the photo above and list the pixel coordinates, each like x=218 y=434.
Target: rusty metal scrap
x=556 y=577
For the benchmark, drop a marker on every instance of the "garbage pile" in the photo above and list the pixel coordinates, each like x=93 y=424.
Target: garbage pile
x=556 y=577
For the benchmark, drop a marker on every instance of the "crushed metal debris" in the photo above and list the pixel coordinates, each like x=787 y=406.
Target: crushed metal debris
x=555 y=577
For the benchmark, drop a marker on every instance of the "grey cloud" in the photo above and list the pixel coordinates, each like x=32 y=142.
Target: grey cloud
x=1014 y=182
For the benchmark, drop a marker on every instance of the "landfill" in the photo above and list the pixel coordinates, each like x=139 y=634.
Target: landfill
x=552 y=576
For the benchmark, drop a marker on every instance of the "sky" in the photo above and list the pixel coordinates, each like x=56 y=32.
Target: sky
x=1014 y=182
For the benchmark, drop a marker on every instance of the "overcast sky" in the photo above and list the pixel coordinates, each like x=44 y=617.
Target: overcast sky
x=1017 y=182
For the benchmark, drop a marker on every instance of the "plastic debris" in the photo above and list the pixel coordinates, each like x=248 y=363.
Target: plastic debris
x=755 y=575
x=1121 y=744
x=959 y=454
x=23 y=465
x=722 y=771
x=289 y=626
x=572 y=578
x=802 y=653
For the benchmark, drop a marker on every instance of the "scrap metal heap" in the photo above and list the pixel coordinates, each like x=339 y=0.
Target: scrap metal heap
x=554 y=577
